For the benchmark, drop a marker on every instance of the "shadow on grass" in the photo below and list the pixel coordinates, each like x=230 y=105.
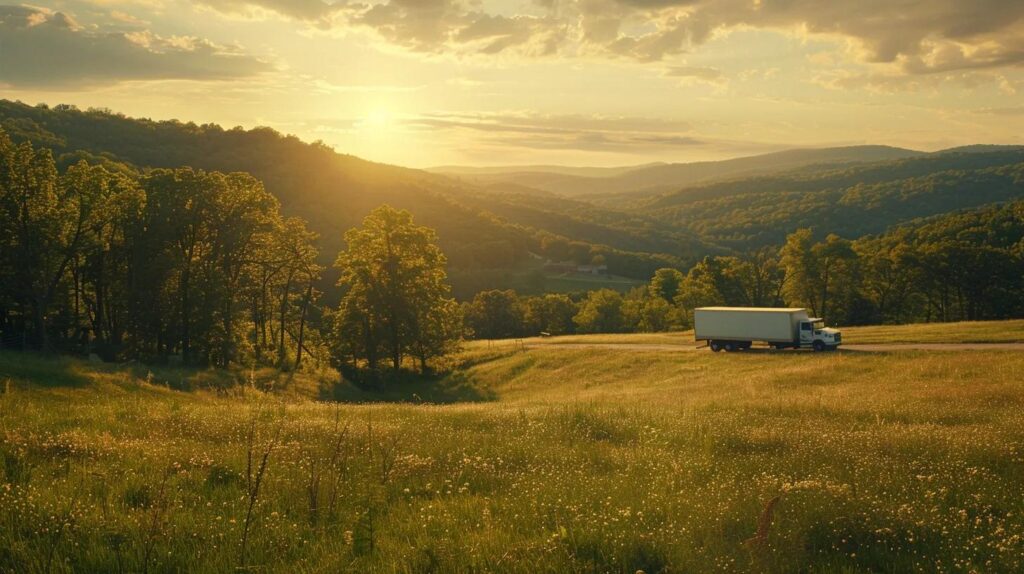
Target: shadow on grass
x=406 y=387
x=54 y=371
x=41 y=370
x=188 y=379
x=768 y=351
x=51 y=371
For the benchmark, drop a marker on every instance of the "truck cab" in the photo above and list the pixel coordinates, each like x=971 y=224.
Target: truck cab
x=814 y=333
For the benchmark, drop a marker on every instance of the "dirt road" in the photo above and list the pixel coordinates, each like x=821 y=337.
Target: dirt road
x=866 y=347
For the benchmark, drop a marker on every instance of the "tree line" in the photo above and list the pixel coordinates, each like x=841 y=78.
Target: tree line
x=958 y=267
x=200 y=268
x=191 y=264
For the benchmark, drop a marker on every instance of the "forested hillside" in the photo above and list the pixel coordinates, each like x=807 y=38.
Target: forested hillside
x=505 y=235
x=591 y=223
x=752 y=213
x=332 y=191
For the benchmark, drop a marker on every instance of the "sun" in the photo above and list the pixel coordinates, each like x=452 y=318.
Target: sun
x=377 y=119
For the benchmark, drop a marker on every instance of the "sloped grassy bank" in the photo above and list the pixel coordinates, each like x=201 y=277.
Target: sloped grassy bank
x=544 y=460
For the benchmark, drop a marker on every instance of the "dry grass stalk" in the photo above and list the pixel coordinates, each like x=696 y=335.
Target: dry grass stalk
x=764 y=523
x=254 y=475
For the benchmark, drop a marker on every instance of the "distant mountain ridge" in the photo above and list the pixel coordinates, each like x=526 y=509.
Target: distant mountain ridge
x=859 y=200
x=578 y=171
x=654 y=178
x=829 y=178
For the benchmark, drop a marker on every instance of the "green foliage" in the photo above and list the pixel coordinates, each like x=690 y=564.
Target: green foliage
x=552 y=314
x=651 y=314
x=396 y=298
x=504 y=314
x=748 y=214
x=601 y=312
x=699 y=289
x=802 y=286
x=175 y=263
x=666 y=283
x=496 y=315
x=963 y=266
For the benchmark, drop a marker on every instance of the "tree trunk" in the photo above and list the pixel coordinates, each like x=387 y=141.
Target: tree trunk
x=371 y=347
x=100 y=323
x=39 y=317
x=396 y=356
x=284 y=316
x=226 y=351
x=302 y=324
x=184 y=300
x=255 y=310
x=824 y=290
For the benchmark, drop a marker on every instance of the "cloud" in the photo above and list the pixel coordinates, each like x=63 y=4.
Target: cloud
x=696 y=74
x=308 y=10
x=451 y=26
x=1009 y=111
x=563 y=132
x=890 y=81
x=896 y=37
x=913 y=37
x=46 y=49
x=917 y=36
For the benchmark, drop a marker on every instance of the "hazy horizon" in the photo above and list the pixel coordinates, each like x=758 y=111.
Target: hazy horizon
x=590 y=83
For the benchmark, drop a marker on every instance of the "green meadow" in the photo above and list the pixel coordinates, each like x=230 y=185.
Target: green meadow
x=1010 y=331
x=542 y=459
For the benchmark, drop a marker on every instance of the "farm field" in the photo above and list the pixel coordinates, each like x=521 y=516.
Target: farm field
x=546 y=459
x=578 y=282
x=530 y=278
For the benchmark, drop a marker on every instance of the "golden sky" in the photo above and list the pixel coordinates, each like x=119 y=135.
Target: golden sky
x=498 y=82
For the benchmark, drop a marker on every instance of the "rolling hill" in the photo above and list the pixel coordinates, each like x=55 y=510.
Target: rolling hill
x=499 y=228
x=750 y=213
x=655 y=178
x=579 y=459
x=335 y=191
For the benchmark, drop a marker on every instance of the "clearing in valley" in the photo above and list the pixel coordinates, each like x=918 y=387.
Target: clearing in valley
x=551 y=458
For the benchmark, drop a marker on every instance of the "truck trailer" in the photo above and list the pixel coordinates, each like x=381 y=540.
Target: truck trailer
x=737 y=328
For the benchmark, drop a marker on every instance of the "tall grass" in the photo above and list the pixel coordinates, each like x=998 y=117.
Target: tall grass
x=584 y=460
x=1011 y=331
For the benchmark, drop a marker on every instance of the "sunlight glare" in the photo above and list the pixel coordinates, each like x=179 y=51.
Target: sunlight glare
x=377 y=120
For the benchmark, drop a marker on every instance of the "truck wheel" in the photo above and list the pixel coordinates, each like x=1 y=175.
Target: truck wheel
x=819 y=346
x=730 y=347
x=715 y=346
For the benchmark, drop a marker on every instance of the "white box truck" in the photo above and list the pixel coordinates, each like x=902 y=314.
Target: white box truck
x=736 y=328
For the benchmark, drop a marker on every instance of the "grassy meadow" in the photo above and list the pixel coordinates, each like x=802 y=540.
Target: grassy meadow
x=551 y=459
x=962 y=332
x=1011 y=331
